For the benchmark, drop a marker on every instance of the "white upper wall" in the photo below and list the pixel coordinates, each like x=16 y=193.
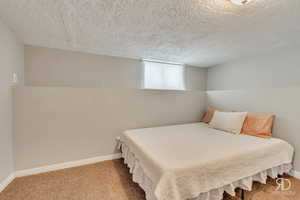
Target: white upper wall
x=277 y=69
x=11 y=60
x=53 y=67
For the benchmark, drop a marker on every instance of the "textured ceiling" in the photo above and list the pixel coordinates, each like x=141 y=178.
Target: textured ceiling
x=195 y=32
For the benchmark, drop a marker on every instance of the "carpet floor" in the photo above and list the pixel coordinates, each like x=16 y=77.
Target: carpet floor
x=111 y=180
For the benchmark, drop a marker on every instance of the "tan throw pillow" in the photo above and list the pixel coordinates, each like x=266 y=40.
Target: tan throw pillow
x=208 y=115
x=228 y=121
x=259 y=125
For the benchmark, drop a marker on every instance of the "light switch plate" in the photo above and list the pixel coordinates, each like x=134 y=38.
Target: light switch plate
x=15 y=78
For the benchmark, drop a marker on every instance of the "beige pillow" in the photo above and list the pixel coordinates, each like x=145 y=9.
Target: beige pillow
x=228 y=121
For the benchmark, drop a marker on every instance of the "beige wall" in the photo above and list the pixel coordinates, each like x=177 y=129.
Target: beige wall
x=58 y=124
x=53 y=67
x=77 y=104
x=264 y=84
x=11 y=60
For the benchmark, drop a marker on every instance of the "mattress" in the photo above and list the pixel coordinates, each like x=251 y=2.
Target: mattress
x=194 y=161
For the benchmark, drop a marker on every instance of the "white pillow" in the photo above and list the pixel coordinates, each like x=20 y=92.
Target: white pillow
x=228 y=121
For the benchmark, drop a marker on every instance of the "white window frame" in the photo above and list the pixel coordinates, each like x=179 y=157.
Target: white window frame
x=182 y=66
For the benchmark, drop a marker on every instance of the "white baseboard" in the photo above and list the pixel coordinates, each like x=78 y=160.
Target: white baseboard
x=65 y=165
x=295 y=174
x=6 y=181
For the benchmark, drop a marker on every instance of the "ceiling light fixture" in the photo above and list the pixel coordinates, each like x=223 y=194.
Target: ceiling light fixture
x=240 y=2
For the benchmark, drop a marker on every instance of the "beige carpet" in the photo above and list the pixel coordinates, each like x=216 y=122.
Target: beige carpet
x=109 y=181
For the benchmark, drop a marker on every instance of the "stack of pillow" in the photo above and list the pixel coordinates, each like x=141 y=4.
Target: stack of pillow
x=259 y=125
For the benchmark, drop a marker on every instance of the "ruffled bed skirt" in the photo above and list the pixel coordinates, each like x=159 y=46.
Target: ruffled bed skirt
x=216 y=194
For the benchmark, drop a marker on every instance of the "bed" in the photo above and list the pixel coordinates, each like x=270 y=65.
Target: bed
x=194 y=161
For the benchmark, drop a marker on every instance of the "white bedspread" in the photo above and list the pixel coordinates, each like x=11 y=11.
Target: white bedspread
x=183 y=161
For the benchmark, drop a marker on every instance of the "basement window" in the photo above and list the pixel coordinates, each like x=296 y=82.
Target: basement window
x=163 y=76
